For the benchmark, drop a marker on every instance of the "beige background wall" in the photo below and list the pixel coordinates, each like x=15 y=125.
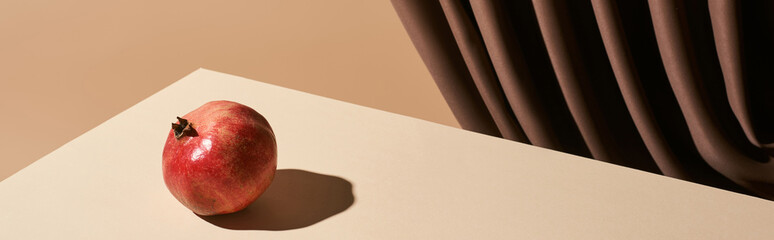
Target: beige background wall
x=67 y=66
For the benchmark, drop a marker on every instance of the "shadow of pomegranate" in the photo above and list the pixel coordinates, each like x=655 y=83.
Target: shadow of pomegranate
x=295 y=199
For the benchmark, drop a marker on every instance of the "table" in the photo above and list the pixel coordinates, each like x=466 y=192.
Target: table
x=351 y=172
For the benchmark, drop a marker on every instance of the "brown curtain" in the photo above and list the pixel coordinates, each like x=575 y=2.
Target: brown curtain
x=680 y=88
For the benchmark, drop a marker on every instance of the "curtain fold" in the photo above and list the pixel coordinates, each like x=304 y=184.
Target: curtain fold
x=513 y=74
x=680 y=88
x=443 y=59
x=480 y=68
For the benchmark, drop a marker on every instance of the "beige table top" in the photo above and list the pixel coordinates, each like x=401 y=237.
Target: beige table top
x=351 y=172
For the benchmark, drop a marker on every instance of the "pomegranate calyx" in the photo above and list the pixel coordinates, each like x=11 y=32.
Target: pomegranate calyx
x=184 y=128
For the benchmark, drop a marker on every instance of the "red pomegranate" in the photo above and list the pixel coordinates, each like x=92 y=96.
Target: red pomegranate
x=219 y=158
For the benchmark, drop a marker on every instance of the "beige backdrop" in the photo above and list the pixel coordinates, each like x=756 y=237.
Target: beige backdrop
x=66 y=67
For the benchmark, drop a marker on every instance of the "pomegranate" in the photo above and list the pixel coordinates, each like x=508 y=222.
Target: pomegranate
x=219 y=158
